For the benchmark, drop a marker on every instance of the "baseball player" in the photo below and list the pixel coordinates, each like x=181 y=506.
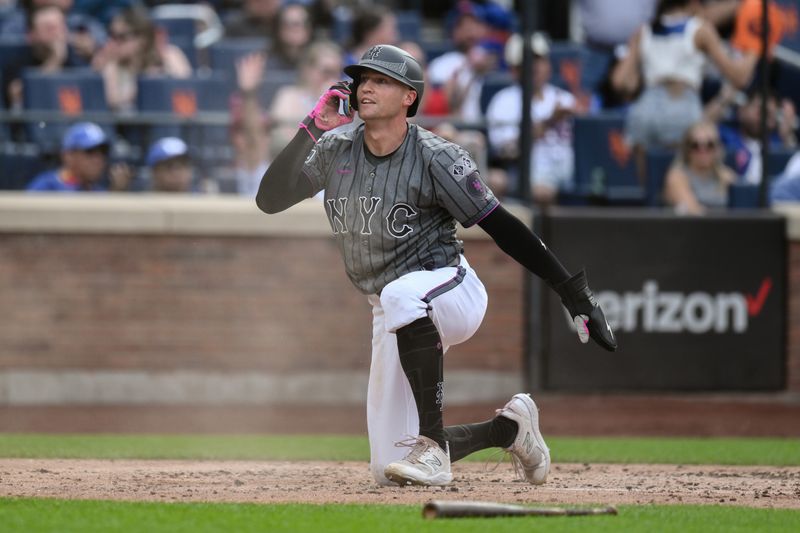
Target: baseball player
x=393 y=193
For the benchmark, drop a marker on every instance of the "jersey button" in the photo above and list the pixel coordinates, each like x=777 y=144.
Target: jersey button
x=371 y=174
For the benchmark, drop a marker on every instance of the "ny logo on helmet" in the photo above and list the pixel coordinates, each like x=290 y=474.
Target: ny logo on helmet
x=373 y=53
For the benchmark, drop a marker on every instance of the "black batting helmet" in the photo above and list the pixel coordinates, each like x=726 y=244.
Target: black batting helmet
x=393 y=62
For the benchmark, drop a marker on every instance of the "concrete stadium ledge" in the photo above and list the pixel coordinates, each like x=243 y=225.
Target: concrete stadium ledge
x=152 y=213
x=792 y=213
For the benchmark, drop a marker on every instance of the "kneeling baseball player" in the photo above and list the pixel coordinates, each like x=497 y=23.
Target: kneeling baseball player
x=393 y=193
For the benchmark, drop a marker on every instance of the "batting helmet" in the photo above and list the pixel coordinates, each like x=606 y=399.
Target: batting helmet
x=393 y=62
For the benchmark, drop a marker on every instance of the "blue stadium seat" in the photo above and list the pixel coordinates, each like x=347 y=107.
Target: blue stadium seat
x=605 y=166
x=494 y=83
x=271 y=84
x=575 y=67
x=19 y=164
x=779 y=158
x=743 y=196
x=185 y=98
x=177 y=27
x=223 y=55
x=68 y=93
x=567 y=60
x=434 y=49
x=657 y=164
x=409 y=24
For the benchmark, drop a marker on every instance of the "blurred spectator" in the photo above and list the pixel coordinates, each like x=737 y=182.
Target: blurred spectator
x=665 y=59
x=742 y=138
x=136 y=47
x=786 y=188
x=170 y=166
x=605 y=27
x=320 y=67
x=249 y=131
x=371 y=25
x=256 y=19
x=460 y=72
x=552 y=108
x=49 y=51
x=698 y=179
x=292 y=34
x=84 y=157
x=86 y=34
x=605 y=24
x=433 y=101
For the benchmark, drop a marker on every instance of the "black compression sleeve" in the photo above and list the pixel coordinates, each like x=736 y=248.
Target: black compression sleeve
x=522 y=244
x=282 y=185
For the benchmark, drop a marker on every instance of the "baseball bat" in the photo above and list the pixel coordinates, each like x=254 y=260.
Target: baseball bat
x=467 y=509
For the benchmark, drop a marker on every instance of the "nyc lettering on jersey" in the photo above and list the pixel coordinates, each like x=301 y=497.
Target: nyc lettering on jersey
x=654 y=311
x=395 y=220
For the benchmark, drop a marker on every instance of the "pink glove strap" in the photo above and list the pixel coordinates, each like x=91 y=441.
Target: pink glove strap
x=308 y=130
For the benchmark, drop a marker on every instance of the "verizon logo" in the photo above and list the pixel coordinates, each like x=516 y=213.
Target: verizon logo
x=656 y=311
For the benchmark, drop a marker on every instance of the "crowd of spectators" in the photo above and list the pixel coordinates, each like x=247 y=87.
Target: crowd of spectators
x=681 y=75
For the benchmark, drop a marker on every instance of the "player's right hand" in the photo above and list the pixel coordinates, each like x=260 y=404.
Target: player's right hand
x=333 y=108
x=589 y=319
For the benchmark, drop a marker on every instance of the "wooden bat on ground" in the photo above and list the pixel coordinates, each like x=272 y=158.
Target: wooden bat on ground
x=467 y=509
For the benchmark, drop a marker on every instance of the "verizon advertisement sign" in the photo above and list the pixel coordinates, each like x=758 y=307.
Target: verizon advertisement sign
x=696 y=303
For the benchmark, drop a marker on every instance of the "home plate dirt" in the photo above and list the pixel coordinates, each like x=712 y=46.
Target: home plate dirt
x=350 y=482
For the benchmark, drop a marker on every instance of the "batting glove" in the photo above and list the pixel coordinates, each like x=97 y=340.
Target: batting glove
x=333 y=108
x=589 y=319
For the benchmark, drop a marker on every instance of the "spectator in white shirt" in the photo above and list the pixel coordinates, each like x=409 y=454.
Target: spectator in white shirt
x=552 y=157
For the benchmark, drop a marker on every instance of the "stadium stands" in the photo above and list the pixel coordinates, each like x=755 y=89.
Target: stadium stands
x=69 y=93
x=605 y=168
x=196 y=108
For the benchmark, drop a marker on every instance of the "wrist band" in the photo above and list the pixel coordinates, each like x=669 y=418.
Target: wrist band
x=308 y=130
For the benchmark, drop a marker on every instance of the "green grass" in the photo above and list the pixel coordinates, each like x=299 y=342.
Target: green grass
x=41 y=515
x=730 y=451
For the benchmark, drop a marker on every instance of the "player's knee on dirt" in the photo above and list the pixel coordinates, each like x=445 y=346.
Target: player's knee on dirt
x=401 y=305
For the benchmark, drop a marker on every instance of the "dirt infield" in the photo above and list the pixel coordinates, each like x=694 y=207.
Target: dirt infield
x=350 y=482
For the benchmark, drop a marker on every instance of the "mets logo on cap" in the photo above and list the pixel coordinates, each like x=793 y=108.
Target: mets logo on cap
x=373 y=53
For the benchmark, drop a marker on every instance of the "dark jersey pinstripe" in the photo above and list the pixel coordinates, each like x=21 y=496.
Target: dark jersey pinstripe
x=396 y=214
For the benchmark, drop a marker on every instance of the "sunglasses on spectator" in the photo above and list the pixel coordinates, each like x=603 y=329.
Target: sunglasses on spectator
x=705 y=144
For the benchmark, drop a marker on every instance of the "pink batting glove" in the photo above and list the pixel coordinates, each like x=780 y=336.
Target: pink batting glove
x=333 y=108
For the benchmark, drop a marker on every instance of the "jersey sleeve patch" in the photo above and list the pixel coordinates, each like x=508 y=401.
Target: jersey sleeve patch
x=475 y=186
x=461 y=167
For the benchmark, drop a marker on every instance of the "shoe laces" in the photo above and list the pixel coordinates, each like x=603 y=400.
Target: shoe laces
x=498 y=456
x=502 y=453
x=417 y=445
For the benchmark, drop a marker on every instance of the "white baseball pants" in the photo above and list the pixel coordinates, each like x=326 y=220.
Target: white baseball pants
x=456 y=300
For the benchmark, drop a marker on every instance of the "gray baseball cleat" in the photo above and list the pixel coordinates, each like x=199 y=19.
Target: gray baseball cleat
x=530 y=454
x=426 y=464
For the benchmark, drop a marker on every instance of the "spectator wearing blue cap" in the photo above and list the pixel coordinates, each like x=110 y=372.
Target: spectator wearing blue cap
x=170 y=165
x=84 y=158
x=478 y=33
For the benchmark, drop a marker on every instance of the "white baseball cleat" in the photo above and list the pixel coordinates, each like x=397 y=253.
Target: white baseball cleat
x=426 y=464
x=530 y=454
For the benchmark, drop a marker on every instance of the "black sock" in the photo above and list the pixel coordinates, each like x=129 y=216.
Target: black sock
x=420 y=349
x=468 y=438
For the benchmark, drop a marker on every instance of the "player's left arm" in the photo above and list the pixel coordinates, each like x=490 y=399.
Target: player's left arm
x=525 y=247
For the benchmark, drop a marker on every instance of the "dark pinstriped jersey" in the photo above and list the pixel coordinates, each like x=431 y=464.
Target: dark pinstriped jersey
x=396 y=214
